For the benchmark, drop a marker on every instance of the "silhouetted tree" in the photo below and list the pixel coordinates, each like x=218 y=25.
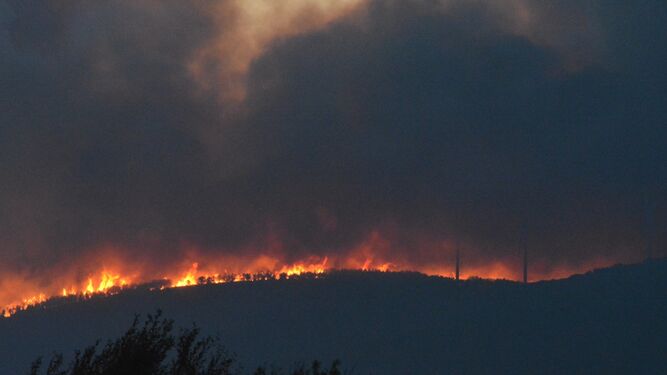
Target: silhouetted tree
x=151 y=349
x=143 y=350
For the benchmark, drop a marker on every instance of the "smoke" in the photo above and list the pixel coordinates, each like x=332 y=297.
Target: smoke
x=305 y=128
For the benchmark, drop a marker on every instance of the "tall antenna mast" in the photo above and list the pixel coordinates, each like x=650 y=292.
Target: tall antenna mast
x=525 y=263
x=458 y=261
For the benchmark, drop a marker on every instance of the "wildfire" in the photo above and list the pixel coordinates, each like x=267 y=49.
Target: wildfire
x=106 y=283
x=109 y=283
x=301 y=268
x=189 y=278
x=385 y=267
x=194 y=277
x=118 y=276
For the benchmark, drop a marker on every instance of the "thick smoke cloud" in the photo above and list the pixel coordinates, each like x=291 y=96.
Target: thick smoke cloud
x=424 y=122
x=455 y=124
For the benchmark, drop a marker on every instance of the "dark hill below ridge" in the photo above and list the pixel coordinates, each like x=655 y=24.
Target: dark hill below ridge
x=611 y=320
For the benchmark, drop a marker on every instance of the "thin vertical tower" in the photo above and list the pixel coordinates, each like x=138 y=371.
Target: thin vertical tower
x=525 y=264
x=458 y=261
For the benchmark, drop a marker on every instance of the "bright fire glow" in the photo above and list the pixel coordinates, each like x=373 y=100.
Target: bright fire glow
x=20 y=293
x=109 y=282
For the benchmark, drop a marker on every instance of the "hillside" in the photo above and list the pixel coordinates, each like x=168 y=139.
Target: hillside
x=610 y=320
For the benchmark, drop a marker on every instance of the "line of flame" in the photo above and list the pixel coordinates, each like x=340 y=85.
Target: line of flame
x=109 y=283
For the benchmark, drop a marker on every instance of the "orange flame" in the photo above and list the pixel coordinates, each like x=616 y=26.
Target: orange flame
x=262 y=268
x=107 y=283
x=21 y=293
x=189 y=278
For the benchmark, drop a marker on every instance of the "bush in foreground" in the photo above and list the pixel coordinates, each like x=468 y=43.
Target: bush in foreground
x=152 y=348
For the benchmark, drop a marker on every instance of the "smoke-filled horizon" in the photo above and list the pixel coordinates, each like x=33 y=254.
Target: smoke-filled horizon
x=153 y=130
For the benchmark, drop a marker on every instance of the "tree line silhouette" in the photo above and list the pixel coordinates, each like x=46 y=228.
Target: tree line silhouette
x=159 y=285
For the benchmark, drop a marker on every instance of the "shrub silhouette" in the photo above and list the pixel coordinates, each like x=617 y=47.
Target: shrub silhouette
x=151 y=348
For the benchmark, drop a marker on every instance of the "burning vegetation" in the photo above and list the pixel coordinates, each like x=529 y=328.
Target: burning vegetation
x=113 y=275
x=107 y=282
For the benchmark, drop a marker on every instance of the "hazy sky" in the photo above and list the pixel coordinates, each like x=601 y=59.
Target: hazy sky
x=317 y=127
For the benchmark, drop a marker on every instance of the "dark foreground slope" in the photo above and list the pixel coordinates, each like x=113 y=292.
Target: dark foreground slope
x=609 y=321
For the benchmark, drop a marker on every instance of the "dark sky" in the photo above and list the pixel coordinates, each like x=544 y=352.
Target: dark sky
x=150 y=126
